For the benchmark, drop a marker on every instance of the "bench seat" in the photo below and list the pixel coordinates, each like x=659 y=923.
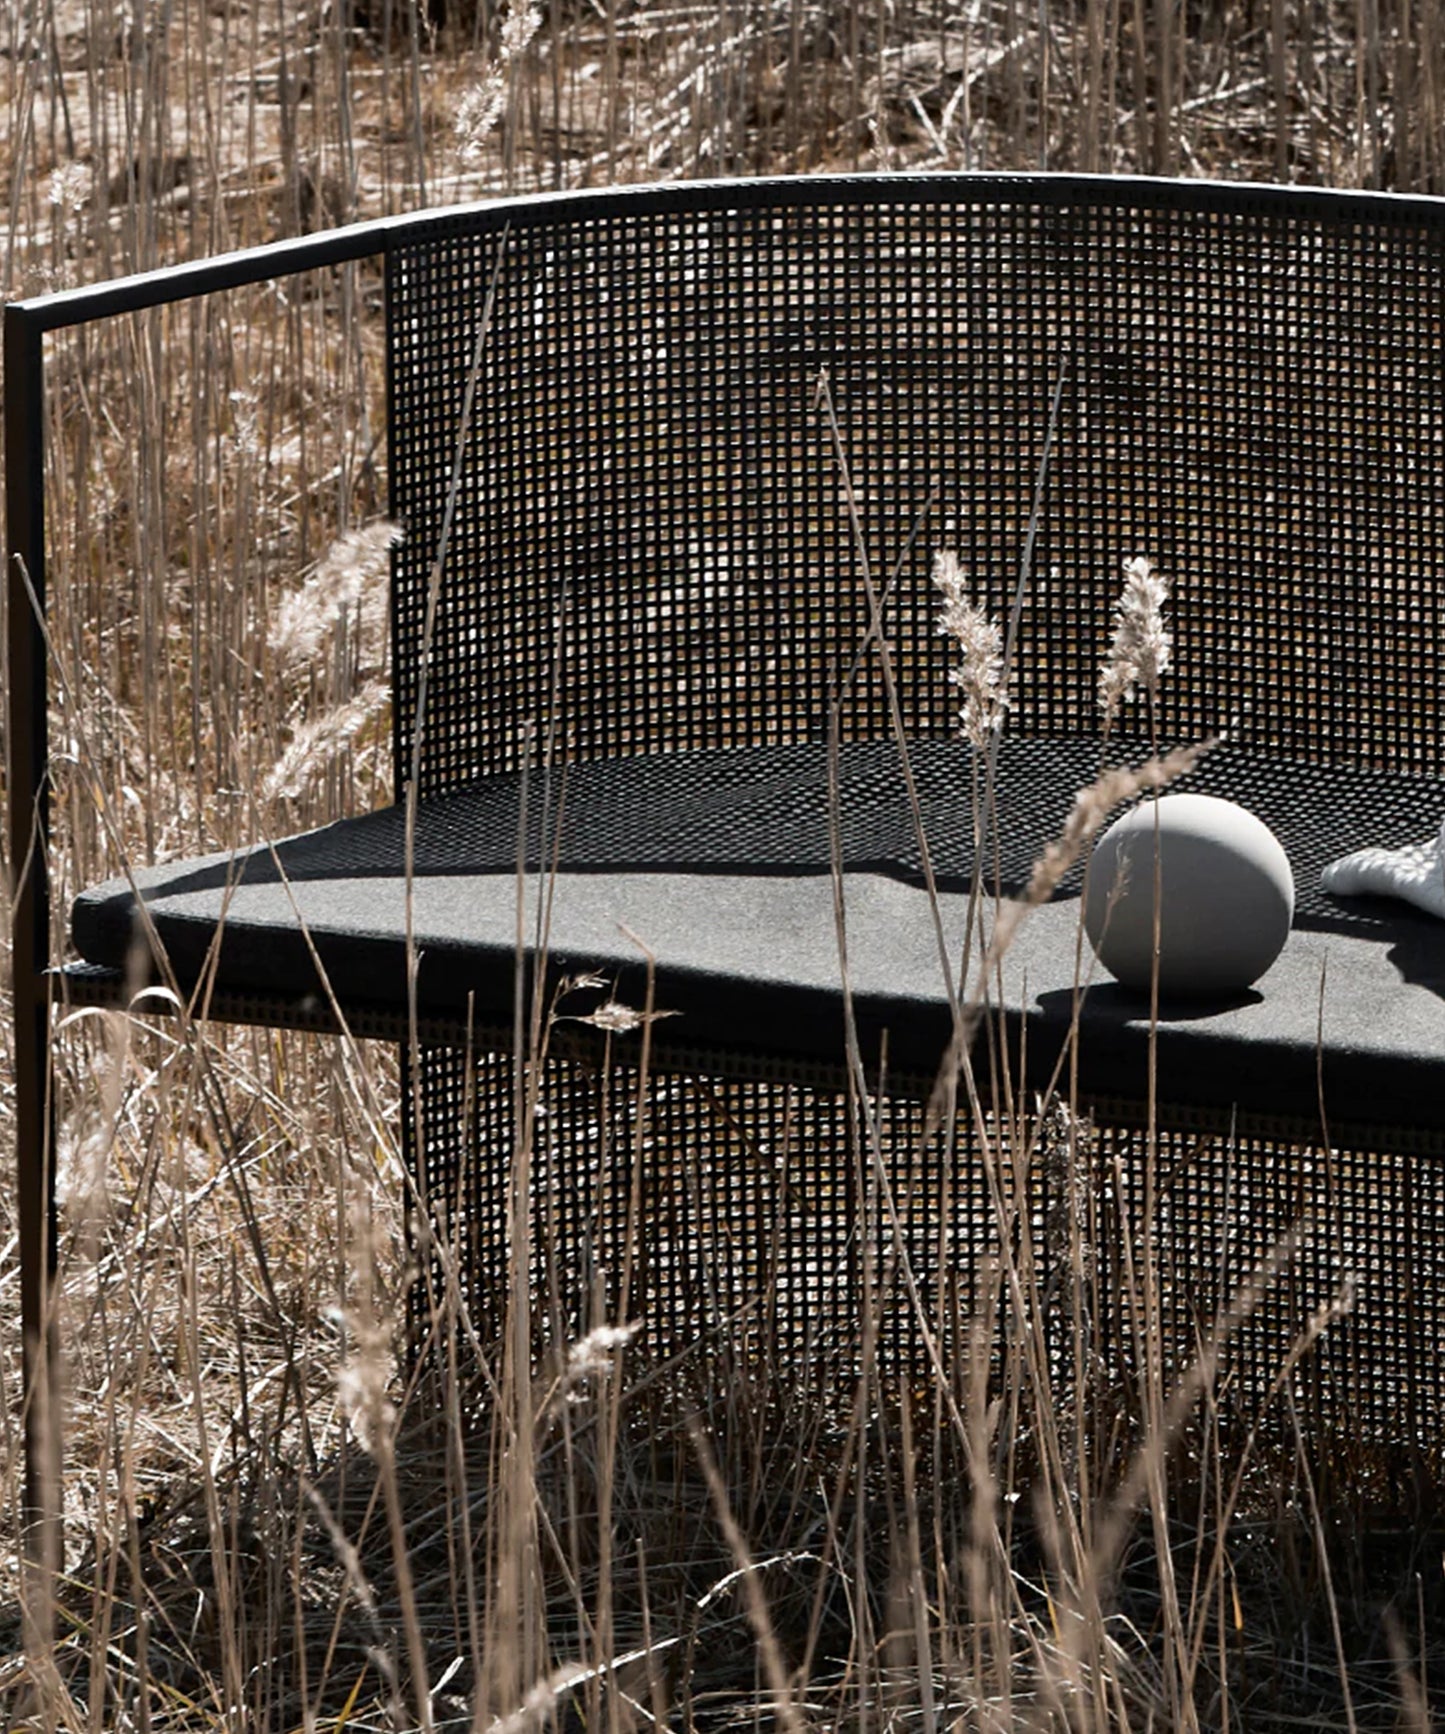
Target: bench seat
x=719 y=862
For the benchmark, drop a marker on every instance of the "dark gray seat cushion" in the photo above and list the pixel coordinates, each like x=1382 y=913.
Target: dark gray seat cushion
x=719 y=862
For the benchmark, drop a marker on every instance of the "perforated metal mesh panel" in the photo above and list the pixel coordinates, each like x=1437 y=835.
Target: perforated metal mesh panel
x=649 y=545
x=735 y=1216
x=726 y=1210
x=651 y=524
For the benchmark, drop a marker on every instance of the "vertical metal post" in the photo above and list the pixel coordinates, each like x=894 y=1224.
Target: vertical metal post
x=28 y=837
x=28 y=818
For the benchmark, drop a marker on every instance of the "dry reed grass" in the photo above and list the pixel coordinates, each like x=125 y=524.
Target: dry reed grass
x=258 y=1533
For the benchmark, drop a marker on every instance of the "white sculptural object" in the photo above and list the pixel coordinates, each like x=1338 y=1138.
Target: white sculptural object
x=1415 y=873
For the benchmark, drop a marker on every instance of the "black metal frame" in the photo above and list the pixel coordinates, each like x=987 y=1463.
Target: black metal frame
x=26 y=326
x=28 y=815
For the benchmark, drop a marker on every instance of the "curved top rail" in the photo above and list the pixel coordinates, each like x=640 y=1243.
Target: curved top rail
x=167 y=283
x=68 y=307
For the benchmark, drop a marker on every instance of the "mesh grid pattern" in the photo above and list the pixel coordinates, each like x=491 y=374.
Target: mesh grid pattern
x=653 y=524
x=762 y=1225
x=652 y=551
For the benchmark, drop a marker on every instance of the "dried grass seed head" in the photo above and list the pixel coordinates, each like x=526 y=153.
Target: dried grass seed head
x=351 y=578
x=979 y=673
x=614 y=1018
x=486 y=102
x=518 y=28
x=71 y=186
x=363 y=1384
x=318 y=741
x=478 y=112
x=1139 y=650
x=1092 y=806
x=591 y=1356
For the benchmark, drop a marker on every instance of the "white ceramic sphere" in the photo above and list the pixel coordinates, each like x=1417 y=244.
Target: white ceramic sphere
x=1226 y=896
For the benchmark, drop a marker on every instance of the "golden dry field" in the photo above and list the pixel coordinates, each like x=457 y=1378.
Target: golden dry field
x=264 y=1527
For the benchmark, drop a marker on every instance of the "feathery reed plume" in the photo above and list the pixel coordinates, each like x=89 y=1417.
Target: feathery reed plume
x=1139 y=652
x=613 y=1018
x=591 y=1356
x=484 y=104
x=979 y=674
x=618 y=1018
x=363 y=1383
x=1067 y=1140
x=351 y=578
x=314 y=745
x=71 y=186
x=1093 y=805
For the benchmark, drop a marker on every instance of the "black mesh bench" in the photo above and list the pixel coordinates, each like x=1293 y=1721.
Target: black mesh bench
x=647 y=557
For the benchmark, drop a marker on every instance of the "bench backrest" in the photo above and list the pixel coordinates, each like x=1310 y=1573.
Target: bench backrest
x=651 y=514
